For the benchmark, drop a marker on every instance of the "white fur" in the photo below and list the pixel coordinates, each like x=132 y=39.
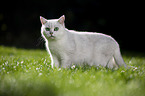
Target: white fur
x=69 y=47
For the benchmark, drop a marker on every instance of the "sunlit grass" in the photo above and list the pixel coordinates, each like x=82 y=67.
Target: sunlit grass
x=28 y=73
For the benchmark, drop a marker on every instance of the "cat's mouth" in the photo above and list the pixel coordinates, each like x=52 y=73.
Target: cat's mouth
x=52 y=37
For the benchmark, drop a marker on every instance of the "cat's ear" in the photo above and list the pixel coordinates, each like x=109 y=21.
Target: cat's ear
x=43 y=20
x=61 y=20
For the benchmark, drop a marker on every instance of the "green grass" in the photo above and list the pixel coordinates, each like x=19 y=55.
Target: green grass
x=28 y=73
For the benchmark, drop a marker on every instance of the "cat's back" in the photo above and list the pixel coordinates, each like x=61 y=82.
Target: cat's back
x=91 y=36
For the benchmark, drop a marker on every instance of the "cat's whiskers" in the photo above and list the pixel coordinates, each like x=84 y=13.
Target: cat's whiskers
x=39 y=41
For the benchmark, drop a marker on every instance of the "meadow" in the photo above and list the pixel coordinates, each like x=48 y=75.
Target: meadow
x=27 y=72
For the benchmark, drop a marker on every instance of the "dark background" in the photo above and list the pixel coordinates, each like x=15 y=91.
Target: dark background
x=20 y=20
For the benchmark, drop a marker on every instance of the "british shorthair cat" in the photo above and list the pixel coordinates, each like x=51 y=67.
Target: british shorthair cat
x=68 y=47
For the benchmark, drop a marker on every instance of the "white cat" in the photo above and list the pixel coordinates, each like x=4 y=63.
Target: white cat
x=68 y=47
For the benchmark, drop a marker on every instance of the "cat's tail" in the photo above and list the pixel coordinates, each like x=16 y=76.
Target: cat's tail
x=118 y=58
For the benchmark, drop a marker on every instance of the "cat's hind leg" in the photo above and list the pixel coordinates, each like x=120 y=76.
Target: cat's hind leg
x=112 y=64
x=118 y=58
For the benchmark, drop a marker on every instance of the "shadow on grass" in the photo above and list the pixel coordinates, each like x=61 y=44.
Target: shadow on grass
x=24 y=86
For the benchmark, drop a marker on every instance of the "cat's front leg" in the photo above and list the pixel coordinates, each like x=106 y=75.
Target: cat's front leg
x=55 y=61
x=65 y=62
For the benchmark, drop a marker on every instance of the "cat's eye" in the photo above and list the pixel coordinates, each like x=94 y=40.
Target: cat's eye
x=56 y=29
x=47 y=29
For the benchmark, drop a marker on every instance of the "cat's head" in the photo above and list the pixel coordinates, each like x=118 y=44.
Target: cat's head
x=52 y=29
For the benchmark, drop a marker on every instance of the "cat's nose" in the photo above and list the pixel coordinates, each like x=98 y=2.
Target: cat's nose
x=51 y=32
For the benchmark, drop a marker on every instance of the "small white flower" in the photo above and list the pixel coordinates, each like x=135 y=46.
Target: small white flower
x=40 y=74
x=59 y=69
x=14 y=67
x=18 y=63
x=37 y=68
x=134 y=68
x=44 y=61
x=72 y=67
x=6 y=63
x=122 y=71
x=22 y=62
